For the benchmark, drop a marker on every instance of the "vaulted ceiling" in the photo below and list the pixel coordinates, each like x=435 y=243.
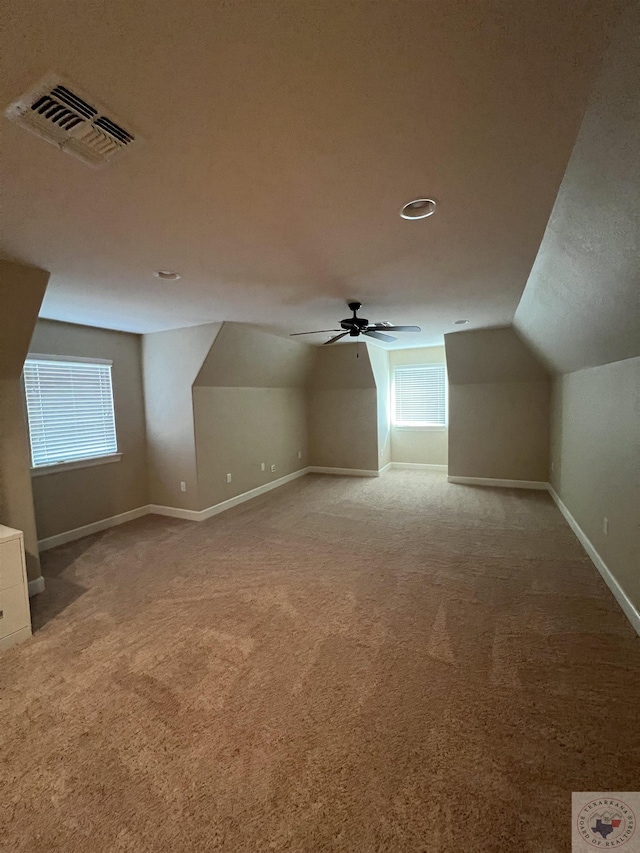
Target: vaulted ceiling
x=281 y=140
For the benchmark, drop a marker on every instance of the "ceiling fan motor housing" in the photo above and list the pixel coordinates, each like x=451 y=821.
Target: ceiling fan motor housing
x=354 y=325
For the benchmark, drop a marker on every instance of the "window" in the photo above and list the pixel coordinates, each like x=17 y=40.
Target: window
x=70 y=409
x=420 y=396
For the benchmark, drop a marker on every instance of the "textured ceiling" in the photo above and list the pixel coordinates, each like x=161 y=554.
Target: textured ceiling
x=281 y=139
x=581 y=305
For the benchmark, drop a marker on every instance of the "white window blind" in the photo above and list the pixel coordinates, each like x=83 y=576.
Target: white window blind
x=70 y=410
x=420 y=396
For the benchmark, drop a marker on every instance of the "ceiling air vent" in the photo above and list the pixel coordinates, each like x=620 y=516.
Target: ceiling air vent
x=58 y=112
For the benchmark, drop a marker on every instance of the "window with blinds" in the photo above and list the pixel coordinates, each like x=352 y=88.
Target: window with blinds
x=420 y=396
x=70 y=409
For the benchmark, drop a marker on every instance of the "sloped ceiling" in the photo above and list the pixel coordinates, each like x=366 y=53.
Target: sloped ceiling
x=281 y=140
x=490 y=355
x=581 y=305
x=245 y=357
x=342 y=368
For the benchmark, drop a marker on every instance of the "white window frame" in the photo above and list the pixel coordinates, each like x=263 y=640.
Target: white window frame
x=76 y=461
x=422 y=425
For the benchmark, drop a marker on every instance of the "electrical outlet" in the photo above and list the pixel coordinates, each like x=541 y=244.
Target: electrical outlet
x=273 y=469
x=553 y=467
x=299 y=454
x=263 y=467
x=605 y=526
x=183 y=486
x=228 y=478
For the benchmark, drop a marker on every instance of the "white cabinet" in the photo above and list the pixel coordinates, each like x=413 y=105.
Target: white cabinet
x=15 y=619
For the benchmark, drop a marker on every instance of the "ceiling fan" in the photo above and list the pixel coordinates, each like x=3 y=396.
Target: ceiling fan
x=355 y=326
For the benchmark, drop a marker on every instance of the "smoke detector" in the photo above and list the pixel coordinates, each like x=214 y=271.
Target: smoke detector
x=60 y=113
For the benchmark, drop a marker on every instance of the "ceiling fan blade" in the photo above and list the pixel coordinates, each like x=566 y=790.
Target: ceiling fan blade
x=400 y=328
x=318 y=332
x=336 y=338
x=379 y=336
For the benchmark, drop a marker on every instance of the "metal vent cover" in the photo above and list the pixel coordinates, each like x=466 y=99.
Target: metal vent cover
x=60 y=113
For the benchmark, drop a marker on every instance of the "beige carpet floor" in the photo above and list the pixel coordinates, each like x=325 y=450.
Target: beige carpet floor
x=341 y=665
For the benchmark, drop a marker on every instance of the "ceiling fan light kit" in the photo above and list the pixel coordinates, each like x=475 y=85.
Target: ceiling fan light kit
x=355 y=326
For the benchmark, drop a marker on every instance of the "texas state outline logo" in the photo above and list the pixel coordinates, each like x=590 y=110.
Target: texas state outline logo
x=604 y=821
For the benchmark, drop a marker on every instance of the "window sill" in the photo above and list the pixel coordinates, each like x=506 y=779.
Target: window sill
x=76 y=463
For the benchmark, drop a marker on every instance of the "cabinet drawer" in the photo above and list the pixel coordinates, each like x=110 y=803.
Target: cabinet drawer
x=14 y=610
x=11 y=563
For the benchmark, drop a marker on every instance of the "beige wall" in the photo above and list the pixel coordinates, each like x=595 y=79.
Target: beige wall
x=596 y=461
x=580 y=311
x=418 y=445
x=250 y=407
x=343 y=408
x=68 y=499
x=239 y=428
x=499 y=403
x=16 y=498
x=499 y=430
x=171 y=362
x=379 y=359
x=22 y=289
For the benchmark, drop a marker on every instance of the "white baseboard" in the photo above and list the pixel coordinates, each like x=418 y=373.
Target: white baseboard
x=173 y=512
x=627 y=606
x=36 y=586
x=94 y=527
x=169 y=511
x=385 y=468
x=344 y=472
x=209 y=512
x=419 y=466
x=503 y=484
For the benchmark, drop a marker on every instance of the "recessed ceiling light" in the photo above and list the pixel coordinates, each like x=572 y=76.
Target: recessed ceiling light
x=460 y=322
x=167 y=275
x=419 y=208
